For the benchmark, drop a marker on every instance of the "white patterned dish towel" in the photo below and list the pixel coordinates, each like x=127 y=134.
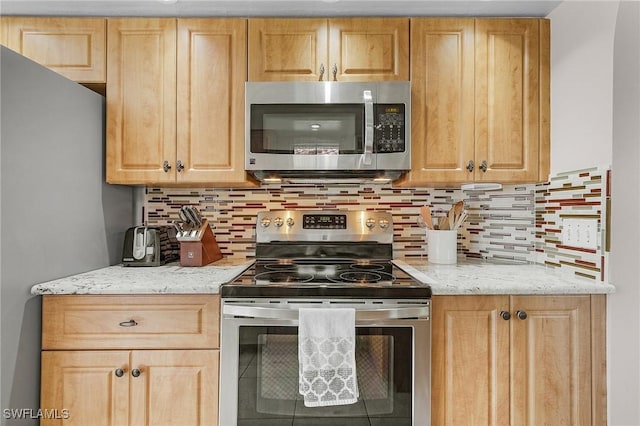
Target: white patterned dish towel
x=326 y=356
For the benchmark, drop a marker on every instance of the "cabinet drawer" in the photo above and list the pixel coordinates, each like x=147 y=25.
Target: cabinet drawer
x=130 y=322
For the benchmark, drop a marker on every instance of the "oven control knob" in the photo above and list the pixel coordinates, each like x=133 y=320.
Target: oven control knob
x=384 y=223
x=370 y=223
x=278 y=222
x=290 y=222
x=265 y=222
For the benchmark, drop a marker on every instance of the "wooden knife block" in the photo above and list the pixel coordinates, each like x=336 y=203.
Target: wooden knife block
x=200 y=253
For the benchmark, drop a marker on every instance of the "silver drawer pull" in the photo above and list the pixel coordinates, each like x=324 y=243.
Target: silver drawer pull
x=130 y=323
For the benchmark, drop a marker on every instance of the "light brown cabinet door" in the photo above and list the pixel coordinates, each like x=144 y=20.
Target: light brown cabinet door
x=175 y=388
x=73 y=47
x=83 y=389
x=442 y=100
x=534 y=370
x=141 y=100
x=551 y=361
x=507 y=117
x=212 y=69
x=470 y=361
x=480 y=100
x=368 y=49
x=288 y=49
x=344 y=49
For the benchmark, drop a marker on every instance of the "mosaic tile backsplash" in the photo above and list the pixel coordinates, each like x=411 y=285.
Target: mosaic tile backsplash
x=500 y=223
x=516 y=223
x=580 y=194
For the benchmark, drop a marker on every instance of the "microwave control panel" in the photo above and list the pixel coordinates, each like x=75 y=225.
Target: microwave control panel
x=389 y=128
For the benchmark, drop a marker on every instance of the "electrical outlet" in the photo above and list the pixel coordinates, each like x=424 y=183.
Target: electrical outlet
x=582 y=233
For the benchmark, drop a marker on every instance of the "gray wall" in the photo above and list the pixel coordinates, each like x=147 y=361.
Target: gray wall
x=623 y=313
x=57 y=216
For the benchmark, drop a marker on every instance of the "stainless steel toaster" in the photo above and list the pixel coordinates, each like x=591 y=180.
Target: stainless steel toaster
x=150 y=246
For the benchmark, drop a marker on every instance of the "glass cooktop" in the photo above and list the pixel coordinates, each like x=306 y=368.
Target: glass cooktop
x=349 y=278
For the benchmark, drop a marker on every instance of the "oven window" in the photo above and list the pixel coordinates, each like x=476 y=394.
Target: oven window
x=307 y=129
x=268 y=379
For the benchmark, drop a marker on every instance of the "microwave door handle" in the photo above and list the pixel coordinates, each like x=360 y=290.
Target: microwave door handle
x=368 y=128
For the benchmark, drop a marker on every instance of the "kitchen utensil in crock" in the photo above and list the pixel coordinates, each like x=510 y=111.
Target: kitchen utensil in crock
x=425 y=212
x=443 y=222
x=457 y=209
x=461 y=219
x=451 y=219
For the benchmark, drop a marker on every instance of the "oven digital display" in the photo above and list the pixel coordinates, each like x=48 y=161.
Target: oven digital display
x=324 y=221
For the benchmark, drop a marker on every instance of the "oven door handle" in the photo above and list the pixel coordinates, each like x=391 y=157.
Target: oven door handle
x=261 y=312
x=368 y=128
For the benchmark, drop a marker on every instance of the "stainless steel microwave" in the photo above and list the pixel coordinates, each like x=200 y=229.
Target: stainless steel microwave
x=328 y=131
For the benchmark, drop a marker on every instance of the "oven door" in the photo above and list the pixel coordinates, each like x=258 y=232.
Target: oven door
x=259 y=365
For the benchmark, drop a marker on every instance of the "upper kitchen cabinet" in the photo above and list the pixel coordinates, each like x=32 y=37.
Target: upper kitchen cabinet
x=212 y=70
x=73 y=47
x=342 y=49
x=175 y=101
x=141 y=100
x=480 y=100
x=512 y=82
x=369 y=49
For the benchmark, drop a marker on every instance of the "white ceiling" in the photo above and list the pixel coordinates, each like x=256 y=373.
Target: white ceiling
x=539 y=8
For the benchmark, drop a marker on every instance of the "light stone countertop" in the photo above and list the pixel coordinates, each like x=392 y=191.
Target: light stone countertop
x=468 y=276
x=471 y=276
x=167 y=279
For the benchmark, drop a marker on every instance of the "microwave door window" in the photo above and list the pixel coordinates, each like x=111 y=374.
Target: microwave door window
x=306 y=130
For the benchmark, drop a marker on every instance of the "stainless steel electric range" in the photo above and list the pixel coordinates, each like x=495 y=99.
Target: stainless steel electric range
x=333 y=259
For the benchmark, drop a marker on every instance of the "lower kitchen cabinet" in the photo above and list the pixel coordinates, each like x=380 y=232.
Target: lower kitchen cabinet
x=520 y=360
x=103 y=377
x=137 y=387
x=84 y=386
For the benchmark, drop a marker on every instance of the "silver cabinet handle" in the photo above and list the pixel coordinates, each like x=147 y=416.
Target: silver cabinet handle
x=321 y=72
x=334 y=71
x=135 y=372
x=368 y=127
x=483 y=166
x=179 y=166
x=119 y=372
x=470 y=165
x=130 y=323
x=166 y=166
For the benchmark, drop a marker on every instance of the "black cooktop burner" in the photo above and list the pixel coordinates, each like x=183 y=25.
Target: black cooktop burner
x=282 y=276
x=365 y=277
